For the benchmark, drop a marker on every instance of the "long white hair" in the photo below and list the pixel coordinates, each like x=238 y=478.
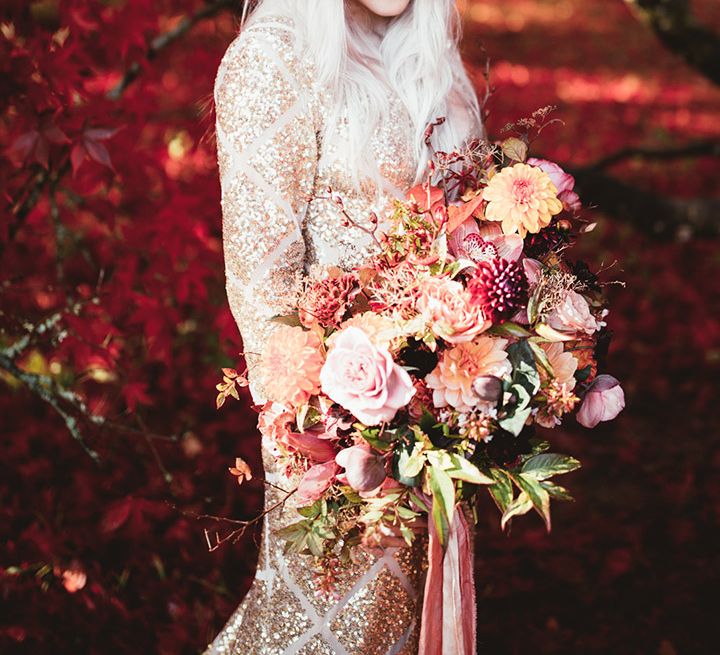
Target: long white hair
x=418 y=60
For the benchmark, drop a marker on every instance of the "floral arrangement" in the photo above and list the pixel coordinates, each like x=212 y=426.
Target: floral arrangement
x=407 y=386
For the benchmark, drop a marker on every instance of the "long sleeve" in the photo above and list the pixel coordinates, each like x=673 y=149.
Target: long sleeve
x=267 y=156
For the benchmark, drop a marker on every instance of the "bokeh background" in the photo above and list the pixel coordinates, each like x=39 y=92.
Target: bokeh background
x=113 y=327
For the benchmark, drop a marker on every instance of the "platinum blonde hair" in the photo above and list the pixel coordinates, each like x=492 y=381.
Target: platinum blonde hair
x=418 y=59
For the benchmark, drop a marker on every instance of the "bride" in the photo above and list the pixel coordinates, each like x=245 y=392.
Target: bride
x=316 y=95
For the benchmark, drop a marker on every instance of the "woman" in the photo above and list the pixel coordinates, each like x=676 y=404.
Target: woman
x=319 y=94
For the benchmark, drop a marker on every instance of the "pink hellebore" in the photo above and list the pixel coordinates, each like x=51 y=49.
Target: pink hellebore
x=603 y=401
x=564 y=183
x=316 y=446
x=315 y=482
x=364 y=470
x=364 y=379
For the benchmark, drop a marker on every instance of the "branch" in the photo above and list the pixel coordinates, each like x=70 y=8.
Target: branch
x=45 y=388
x=677 y=28
x=162 y=41
x=707 y=148
x=656 y=215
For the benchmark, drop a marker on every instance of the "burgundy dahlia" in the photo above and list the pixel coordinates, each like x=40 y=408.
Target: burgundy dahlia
x=499 y=287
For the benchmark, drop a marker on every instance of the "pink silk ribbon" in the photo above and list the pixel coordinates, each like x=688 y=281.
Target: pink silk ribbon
x=449 y=615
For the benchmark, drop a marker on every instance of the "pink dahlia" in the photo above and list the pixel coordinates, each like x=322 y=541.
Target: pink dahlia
x=523 y=198
x=452 y=380
x=326 y=301
x=290 y=365
x=499 y=287
x=563 y=364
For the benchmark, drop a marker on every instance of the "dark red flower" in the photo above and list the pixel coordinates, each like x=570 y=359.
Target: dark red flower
x=499 y=287
x=326 y=301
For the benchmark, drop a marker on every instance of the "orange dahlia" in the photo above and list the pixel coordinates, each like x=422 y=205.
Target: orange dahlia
x=290 y=365
x=523 y=198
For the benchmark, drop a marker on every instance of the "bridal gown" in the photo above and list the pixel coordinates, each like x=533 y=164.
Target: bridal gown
x=275 y=168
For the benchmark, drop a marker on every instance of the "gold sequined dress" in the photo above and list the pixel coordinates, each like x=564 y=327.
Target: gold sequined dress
x=274 y=163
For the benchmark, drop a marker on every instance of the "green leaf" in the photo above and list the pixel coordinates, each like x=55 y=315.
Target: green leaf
x=533 y=305
x=315 y=543
x=406 y=513
x=419 y=502
x=546 y=465
x=410 y=462
x=556 y=491
x=541 y=357
x=510 y=329
x=583 y=374
x=524 y=370
x=311 y=511
x=462 y=469
x=443 y=507
x=539 y=497
x=502 y=490
x=521 y=505
x=407 y=534
x=516 y=421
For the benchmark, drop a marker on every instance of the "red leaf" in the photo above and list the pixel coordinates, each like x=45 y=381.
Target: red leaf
x=98 y=152
x=458 y=214
x=77 y=157
x=117 y=515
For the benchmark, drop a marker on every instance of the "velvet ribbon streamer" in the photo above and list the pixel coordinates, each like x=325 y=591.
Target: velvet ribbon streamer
x=449 y=615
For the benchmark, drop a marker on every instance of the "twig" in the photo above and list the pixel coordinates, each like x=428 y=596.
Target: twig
x=709 y=147
x=162 y=41
x=45 y=388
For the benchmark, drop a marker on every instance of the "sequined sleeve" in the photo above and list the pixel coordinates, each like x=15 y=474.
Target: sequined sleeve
x=267 y=156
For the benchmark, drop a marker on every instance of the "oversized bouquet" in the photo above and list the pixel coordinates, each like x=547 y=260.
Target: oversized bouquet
x=407 y=386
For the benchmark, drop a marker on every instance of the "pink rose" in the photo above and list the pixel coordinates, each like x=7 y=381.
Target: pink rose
x=364 y=379
x=573 y=316
x=447 y=307
x=603 y=401
x=564 y=183
x=363 y=469
x=316 y=482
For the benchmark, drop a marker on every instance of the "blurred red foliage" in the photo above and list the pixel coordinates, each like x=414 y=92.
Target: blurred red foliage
x=110 y=221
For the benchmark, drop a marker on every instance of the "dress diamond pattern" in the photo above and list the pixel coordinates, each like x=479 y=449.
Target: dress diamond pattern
x=278 y=226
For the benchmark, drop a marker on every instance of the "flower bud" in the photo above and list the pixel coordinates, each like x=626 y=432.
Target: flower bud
x=488 y=388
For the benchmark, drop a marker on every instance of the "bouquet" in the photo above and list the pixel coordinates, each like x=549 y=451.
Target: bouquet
x=405 y=387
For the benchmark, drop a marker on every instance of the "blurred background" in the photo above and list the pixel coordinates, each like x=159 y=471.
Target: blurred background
x=114 y=325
